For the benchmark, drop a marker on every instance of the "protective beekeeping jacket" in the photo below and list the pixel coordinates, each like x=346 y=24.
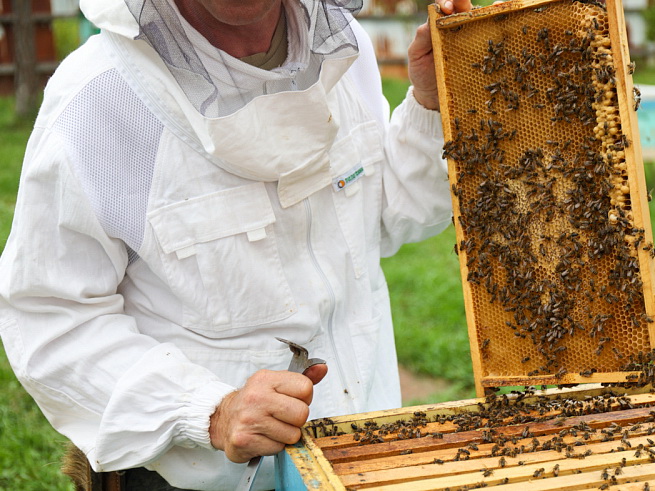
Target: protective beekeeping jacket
x=161 y=243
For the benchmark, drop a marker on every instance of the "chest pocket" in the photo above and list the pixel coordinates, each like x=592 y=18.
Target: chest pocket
x=357 y=184
x=220 y=257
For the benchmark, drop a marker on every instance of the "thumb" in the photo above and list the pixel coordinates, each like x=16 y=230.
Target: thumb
x=316 y=373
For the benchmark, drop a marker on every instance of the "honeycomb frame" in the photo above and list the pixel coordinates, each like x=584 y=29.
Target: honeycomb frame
x=549 y=194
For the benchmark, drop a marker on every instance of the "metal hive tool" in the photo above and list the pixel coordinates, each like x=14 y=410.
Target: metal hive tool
x=550 y=201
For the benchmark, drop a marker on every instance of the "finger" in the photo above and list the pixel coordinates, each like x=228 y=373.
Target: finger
x=453 y=6
x=283 y=433
x=283 y=382
x=288 y=410
x=252 y=445
x=462 y=5
x=421 y=45
x=446 y=6
x=316 y=373
x=295 y=385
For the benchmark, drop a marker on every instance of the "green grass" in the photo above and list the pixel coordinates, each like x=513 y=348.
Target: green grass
x=13 y=138
x=428 y=310
x=30 y=450
x=644 y=74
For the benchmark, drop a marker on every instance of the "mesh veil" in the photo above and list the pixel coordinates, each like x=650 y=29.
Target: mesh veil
x=328 y=31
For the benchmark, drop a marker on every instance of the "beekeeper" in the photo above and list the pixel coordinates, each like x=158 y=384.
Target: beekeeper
x=203 y=176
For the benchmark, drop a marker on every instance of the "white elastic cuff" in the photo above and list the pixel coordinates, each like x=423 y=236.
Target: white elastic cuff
x=203 y=402
x=425 y=120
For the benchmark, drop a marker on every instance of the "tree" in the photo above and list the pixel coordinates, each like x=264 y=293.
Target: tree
x=26 y=78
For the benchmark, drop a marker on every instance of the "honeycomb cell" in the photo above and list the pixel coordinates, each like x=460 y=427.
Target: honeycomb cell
x=541 y=192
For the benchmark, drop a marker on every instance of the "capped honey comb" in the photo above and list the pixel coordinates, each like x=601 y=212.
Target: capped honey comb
x=549 y=196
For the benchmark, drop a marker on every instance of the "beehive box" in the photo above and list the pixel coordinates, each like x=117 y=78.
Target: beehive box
x=558 y=439
x=550 y=201
x=555 y=245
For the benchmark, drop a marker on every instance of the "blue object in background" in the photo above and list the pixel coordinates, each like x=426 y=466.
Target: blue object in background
x=646 y=117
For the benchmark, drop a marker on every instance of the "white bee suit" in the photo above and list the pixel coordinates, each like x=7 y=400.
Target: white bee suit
x=157 y=252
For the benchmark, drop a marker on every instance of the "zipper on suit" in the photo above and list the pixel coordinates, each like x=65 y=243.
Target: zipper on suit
x=333 y=302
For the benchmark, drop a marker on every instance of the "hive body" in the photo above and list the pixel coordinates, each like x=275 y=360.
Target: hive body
x=571 y=439
x=549 y=196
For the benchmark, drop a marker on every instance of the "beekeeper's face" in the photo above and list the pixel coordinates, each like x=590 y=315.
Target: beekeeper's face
x=240 y=12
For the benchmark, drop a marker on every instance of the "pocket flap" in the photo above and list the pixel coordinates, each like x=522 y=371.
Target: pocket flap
x=367 y=136
x=212 y=216
x=361 y=146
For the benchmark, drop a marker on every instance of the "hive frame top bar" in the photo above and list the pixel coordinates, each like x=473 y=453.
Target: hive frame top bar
x=482 y=12
x=440 y=26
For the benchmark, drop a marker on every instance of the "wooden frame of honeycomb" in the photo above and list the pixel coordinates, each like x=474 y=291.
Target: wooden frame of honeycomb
x=549 y=195
x=549 y=440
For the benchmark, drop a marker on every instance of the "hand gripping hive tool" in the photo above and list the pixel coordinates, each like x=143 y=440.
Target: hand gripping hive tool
x=299 y=364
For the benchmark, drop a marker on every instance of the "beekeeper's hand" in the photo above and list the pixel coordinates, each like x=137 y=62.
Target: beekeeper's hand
x=265 y=414
x=421 y=61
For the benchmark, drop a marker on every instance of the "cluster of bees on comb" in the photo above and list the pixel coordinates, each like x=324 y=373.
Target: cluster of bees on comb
x=545 y=210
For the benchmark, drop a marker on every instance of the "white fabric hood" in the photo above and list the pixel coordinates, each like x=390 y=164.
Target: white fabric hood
x=111 y=15
x=284 y=136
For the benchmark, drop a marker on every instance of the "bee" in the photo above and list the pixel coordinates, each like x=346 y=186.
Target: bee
x=487 y=472
x=539 y=472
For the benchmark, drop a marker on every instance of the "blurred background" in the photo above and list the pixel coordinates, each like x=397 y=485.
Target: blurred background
x=424 y=279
